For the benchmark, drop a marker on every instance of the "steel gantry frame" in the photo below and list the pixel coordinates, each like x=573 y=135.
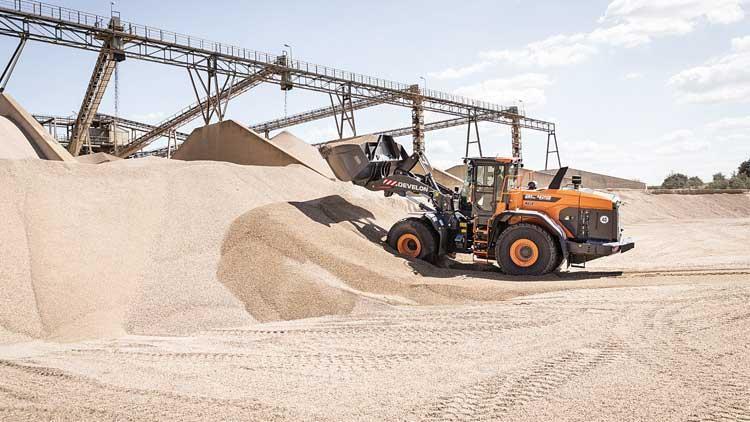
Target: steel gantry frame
x=72 y=28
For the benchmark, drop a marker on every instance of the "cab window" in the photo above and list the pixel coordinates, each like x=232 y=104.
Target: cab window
x=486 y=176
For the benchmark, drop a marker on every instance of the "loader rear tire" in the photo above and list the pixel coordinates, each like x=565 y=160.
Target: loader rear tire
x=526 y=249
x=412 y=238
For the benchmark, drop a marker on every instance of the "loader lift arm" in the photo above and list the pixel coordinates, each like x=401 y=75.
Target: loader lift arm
x=385 y=166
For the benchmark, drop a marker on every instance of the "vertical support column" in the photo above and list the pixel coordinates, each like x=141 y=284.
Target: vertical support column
x=217 y=97
x=515 y=131
x=171 y=136
x=552 y=137
x=417 y=121
x=473 y=122
x=12 y=64
x=343 y=104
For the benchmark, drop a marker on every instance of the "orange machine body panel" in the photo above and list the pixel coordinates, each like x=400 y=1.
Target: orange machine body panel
x=551 y=202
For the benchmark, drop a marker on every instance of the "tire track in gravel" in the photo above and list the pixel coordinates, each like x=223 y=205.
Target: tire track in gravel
x=51 y=391
x=725 y=392
x=495 y=396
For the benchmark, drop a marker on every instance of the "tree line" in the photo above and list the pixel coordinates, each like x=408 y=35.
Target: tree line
x=738 y=180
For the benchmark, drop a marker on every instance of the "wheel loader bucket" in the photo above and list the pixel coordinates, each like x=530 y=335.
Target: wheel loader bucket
x=363 y=163
x=347 y=162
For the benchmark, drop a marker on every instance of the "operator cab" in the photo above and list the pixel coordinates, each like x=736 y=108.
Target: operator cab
x=486 y=187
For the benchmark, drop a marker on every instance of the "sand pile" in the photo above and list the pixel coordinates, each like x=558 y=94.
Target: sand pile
x=147 y=246
x=22 y=137
x=320 y=257
x=132 y=246
x=642 y=207
x=232 y=142
x=97 y=158
x=307 y=154
x=165 y=247
x=13 y=143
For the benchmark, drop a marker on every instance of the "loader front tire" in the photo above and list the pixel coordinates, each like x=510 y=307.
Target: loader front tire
x=526 y=249
x=412 y=238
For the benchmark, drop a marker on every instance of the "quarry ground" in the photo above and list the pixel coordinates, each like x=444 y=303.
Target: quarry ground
x=673 y=349
x=208 y=317
x=647 y=344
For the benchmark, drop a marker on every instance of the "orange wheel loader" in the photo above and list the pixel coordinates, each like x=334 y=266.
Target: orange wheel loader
x=527 y=231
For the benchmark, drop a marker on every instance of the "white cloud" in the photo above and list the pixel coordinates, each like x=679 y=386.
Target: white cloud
x=559 y=50
x=529 y=88
x=597 y=151
x=741 y=44
x=635 y=22
x=679 y=142
x=633 y=76
x=729 y=123
x=456 y=73
x=683 y=11
x=626 y=23
x=723 y=79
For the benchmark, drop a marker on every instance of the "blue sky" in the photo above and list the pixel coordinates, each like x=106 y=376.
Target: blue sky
x=638 y=88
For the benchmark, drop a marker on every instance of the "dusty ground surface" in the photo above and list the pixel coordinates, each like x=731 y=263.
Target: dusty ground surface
x=673 y=351
x=188 y=307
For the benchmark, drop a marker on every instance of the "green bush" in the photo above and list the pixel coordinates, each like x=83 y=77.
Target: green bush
x=738 y=180
x=744 y=169
x=719 y=182
x=675 y=181
x=695 y=182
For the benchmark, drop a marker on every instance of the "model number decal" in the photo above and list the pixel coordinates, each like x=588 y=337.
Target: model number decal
x=541 y=198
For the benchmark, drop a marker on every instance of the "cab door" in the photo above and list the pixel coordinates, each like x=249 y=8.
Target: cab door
x=485 y=194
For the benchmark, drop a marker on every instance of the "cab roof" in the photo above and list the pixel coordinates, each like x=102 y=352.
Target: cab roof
x=492 y=160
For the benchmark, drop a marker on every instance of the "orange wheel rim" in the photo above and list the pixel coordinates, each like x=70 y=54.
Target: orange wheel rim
x=524 y=253
x=409 y=245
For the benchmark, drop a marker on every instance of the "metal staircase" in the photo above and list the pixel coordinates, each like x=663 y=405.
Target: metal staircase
x=109 y=55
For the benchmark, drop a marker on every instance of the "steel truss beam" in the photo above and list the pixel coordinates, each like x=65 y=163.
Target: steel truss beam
x=312 y=115
x=71 y=28
x=460 y=121
x=57 y=25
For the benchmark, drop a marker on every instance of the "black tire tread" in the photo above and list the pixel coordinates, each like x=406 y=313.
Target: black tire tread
x=419 y=228
x=549 y=246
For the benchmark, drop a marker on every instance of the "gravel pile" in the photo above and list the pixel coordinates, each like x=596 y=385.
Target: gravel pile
x=165 y=247
x=130 y=246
